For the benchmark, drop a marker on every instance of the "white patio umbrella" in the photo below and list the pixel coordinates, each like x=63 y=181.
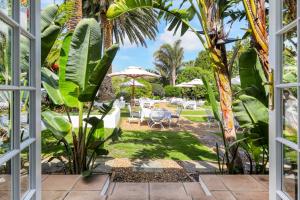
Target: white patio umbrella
x=134 y=72
x=132 y=82
x=236 y=81
x=185 y=85
x=195 y=82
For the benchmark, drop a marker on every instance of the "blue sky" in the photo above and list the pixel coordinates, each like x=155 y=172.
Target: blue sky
x=130 y=54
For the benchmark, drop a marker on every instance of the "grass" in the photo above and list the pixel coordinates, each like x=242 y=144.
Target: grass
x=145 y=145
x=196 y=119
x=194 y=112
x=159 y=145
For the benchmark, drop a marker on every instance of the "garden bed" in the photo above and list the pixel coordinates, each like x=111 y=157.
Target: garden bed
x=166 y=175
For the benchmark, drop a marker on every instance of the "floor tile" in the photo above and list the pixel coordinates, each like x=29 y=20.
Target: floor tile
x=130 y=191
x=223 y=195
x=83 y=195
x=194 y=190
x=213 y=182
x=242 y=183
x=5 y=182
x=263 y=179
x=53 y=195
x=60 y=182
x=251 y=195
x=95 y=182
x=4 y=195
x=167 y=191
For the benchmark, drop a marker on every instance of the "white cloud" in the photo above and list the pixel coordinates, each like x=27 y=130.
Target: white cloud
x=190 y=42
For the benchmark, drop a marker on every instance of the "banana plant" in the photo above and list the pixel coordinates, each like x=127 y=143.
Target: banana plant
x=251 y=109
x=53 y=22
x=211 y=15
x=256 y=16
x=82 y=70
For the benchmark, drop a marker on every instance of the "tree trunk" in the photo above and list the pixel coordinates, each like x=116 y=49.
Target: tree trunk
x=106 y=90
x=75 y=19
x=224 y=87
x=173 y=76
x=256 y=15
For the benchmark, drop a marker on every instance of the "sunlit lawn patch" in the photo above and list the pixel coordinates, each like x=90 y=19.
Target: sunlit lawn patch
x=160 y=145
x=194 y=112
x=196 y=118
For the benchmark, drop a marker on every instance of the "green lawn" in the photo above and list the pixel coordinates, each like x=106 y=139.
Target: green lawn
x=196 y=118
x=160 y=145
x=146 y=145
x=194 y=112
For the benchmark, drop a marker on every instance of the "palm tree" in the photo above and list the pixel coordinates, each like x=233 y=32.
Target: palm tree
x=135 y=26
x=210 y=15
x=77 y=15
x=168 y=60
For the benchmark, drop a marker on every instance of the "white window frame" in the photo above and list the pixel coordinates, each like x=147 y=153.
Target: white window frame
x=275 y=122
x=34 y=141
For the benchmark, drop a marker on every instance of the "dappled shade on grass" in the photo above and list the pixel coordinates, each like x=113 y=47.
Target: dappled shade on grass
x=160 y=145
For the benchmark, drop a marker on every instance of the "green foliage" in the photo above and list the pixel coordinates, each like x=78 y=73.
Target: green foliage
x=251 y=111
x=190 y=73
x=252 y=76
x=171 y=91
x=126 y=92
x=78 y=84
x=158 y=90
x=145 y=91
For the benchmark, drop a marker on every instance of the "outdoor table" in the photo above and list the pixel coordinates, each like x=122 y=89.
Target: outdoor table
x=146 y=112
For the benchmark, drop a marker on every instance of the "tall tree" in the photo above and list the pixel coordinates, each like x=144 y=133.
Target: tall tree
x=77 y=15
x=136 y=26
x=256 y=15
x=211 y=15
x=168 y=60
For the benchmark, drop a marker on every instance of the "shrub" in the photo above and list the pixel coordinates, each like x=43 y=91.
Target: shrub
x=190 y=73
x=171 y=91
x=158 y=90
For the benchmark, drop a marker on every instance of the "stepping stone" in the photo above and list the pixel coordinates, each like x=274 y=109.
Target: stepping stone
x=147 y=166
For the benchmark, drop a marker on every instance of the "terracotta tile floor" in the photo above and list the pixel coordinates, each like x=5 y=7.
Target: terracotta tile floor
x=214 y=187
x=237 y=187
x=73 y=187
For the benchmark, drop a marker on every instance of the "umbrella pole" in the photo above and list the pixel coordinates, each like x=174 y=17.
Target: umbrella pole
x=132 y=93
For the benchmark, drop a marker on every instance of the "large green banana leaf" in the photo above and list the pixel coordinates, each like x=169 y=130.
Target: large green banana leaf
x=253 y=115
x=48 y=16
x=50 y=84
x=96 y=133
x=211 y=98
x=96 y=77
x=48 y=37
x=252 y=76
x=84 y=53
x=68 y=89
x=57 y=124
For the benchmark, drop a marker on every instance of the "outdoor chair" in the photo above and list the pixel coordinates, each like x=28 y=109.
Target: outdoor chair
x=157 y=118
x=176 y=115
x=133 y=116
